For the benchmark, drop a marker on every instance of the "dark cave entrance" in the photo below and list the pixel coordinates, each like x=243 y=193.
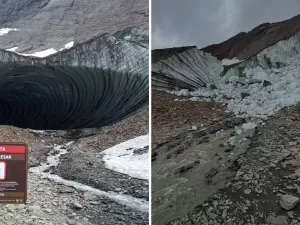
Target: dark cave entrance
x=45 y=97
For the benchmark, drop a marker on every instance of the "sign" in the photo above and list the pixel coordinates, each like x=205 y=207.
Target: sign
x=13 y=173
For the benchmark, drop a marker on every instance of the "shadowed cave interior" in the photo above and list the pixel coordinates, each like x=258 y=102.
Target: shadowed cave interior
x=46 y=97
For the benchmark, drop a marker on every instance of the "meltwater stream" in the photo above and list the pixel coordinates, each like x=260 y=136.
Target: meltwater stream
x=53 y=161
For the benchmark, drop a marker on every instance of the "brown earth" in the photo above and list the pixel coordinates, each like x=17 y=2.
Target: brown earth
x=131 y=127
x=247 y=44
x=19 y=135
x=170 y=118
x=38 y=145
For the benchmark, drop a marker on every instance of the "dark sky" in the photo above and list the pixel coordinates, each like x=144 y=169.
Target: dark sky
x=205 y=22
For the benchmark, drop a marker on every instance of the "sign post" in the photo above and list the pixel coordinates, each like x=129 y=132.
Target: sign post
x=13 y=173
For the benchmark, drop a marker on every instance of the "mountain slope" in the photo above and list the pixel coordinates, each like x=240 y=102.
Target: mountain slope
x=245 y=45
x=46 y=24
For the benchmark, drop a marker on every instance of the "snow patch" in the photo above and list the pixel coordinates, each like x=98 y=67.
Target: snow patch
x=228 y=62
x=123 y=159
x=4 y=31
x=41 y=54
x=44 y=53
x=12 y=49
x=69 y=45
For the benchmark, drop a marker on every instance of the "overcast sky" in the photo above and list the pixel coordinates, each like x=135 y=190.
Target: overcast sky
x=205 y=22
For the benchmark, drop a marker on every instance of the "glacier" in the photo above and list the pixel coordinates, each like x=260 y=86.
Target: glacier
x=255 y=88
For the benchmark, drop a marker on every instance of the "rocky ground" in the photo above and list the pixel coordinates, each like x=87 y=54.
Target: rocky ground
x=211 y=179
x=170 y=118
x=90 y=193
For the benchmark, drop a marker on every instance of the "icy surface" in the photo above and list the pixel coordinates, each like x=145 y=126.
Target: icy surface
x=258 y=87
x=123 y=159
x=193 y=68
x=227 y=62
x=4 y=31
x=256 y=92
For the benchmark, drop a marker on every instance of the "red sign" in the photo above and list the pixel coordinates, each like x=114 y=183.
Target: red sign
x=13 y=149
x=13 y=173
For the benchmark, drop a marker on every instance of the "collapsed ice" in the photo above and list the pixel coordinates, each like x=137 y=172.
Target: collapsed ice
x=260 y=86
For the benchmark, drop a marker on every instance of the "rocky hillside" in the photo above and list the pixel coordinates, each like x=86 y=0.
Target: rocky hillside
x=46 y=24
x=247 y=44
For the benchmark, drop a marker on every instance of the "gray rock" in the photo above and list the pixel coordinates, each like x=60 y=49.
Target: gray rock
x=266 y=83
x=244 y=94
x=296 y=173
x=288 y=201
x=90 y=196
x=194 y=128
x=34 y=208
x=71 y=222
x=247 y=191
x=293 y=143
x=279 y=220
x=76 y=205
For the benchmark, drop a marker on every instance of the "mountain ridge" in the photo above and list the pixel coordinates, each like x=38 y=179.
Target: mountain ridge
x=246 y=44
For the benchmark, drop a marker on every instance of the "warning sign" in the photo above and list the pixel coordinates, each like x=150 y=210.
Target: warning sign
x=13 y=173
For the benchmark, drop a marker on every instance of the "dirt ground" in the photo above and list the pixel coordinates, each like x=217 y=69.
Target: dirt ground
x=131 y=127
x=170 y=118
